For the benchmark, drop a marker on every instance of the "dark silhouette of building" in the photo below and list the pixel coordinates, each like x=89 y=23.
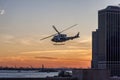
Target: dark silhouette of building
x=106 y=41
x=91 y=74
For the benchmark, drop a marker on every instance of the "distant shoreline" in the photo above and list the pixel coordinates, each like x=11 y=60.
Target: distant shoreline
x=52 y=78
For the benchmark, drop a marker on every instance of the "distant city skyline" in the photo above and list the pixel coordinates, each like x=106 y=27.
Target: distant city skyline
x=24 y=22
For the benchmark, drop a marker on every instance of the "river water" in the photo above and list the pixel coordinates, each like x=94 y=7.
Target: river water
x=26 y=74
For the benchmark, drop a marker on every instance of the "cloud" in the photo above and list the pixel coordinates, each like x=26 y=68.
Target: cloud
x=54 y=51
x=25 y=41
x=48 y=61
x=7 y=38
x=2 y=12
x=14 y=58
x=44 y=57
x=61 y=59
x=59 y=54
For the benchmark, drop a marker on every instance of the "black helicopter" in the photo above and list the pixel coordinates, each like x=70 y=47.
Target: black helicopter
x=58 y=37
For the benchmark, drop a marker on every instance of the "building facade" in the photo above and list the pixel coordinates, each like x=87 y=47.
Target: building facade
x=90 y=74
x=106 y=41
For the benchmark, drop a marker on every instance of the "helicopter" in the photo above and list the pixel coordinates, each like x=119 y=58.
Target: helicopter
x=59 y=37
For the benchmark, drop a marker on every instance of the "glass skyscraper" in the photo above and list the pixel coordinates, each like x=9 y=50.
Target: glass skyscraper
x=106 y=41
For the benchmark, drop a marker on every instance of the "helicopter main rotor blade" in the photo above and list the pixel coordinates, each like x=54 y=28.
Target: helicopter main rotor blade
x=56 y=29
x=52 y=34
x=47 y=37
x=68 y=28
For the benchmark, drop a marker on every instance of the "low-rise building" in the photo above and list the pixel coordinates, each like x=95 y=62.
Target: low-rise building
x=91 y=74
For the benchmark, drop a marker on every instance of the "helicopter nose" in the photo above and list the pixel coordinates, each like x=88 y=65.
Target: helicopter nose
x=52 y=39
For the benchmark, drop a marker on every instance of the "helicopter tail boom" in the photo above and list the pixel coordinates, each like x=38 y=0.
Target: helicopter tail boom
x=73 y=37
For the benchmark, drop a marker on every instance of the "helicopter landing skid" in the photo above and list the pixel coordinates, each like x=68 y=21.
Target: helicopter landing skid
x=58 y=44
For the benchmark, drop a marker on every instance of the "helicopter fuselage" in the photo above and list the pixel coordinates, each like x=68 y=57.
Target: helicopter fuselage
x=59 y=38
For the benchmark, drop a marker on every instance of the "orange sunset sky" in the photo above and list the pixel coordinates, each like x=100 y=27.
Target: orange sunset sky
x=24 y=22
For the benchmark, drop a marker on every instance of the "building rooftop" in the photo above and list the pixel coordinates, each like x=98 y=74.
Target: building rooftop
x=113 y=7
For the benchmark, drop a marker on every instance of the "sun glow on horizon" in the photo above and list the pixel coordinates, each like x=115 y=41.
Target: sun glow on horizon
x=75 y=54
